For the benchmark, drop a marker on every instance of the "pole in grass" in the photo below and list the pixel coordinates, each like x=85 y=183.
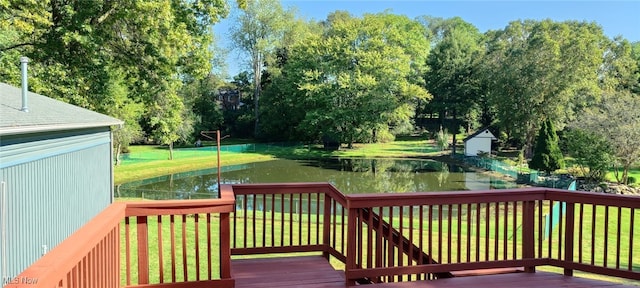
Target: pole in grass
x=217 y=139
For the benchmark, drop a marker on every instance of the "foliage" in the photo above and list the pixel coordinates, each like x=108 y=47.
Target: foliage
x=537 y=70
x=360 y=75
x=591 y=152
x=259 y=29
x=547 y=155
x=83 y=51
x=616 y=118
x=452 y=77
x=442 y=139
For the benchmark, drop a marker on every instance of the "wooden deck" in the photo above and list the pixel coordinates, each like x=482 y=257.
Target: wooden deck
x=385 y=237
x=316 y=272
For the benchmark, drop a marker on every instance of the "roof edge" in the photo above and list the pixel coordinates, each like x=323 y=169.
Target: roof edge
x=58 y=127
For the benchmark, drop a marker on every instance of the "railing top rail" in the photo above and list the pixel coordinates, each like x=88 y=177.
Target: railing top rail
x=444 y=198
x=290 y=188
x=581 y=197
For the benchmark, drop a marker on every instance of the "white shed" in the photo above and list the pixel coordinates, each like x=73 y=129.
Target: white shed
x=478 y=142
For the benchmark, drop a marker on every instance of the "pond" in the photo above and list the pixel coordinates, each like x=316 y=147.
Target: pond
x=349 y=175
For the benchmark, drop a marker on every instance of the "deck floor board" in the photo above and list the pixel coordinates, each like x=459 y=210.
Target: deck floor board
x=316 y=272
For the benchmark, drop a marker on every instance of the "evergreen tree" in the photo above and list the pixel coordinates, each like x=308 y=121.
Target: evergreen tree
x=547 y=155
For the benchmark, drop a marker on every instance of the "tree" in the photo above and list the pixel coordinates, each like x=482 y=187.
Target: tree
x=591 y=152
x=361 y=76
x=547 y=155
x=616 y=118
x=453 y=77
x=259 y=30
x=537 y=70
x=75 y=47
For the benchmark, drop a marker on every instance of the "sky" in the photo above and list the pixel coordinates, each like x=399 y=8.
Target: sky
x=617 y=18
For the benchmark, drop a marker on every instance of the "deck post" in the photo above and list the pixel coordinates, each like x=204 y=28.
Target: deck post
x=528 y=236
x=225 y=246
x=351 y=245
x=568 y=236
x=326 y=226
x=143 y=250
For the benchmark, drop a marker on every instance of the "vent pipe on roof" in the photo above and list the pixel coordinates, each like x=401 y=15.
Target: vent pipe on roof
x=25 y=88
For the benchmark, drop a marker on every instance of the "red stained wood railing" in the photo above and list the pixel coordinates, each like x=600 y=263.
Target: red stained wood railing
x=289 y=217
x=378 y=237
x=88 y=258
x=197 y=252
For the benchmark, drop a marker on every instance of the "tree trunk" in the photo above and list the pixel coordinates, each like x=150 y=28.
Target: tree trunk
x=171 y=151
x=118 y=149
x=454 y=132
x=257 y=74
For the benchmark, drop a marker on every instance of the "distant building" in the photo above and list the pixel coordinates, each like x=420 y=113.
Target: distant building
x=56 y=173
x=230 y=99
x=478 y=142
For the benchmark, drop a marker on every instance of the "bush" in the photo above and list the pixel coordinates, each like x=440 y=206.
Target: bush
x=631 y=180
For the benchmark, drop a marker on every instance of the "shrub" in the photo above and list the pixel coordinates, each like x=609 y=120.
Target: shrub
x=631 y=180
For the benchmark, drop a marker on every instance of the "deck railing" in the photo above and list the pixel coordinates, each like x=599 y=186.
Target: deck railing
x=495 y=229
x=114 y=249
x=375 y=237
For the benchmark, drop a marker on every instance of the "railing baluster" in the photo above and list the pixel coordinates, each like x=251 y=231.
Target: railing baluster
x=273 y=216
x=282 y=216
x=390 y=247
x=309 y=219
x=290 y=219
x=209 y=252
x=606 y=234
x=185 y=273
x=505 y=235
x=632 y=211
x=173 y=247
x=300 y=213
x=127 y=254
x=160 y=262
x=593 y=232
x=197 y=242
x=459 y=232
x=486 y=231
x=515 y=230
x=380 y=245
x=245 y=213
x=618 y=234
x=343 y=235
x=469 y=228
x=400 y=237
x=440 y=234
x=496 y=233
x=369 y=237
x=449 y=237
x=549 y=230
x=264 y=220
x=253 y=221
x=477 y=251
x=570 y=231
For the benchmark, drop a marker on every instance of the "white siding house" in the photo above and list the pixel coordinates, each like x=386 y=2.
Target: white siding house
x=478 y=142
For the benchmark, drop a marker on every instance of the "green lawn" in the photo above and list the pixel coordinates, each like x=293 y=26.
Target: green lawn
x=190 y=160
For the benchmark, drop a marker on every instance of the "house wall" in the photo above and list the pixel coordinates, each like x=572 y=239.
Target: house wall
x=50 y=185
x=474 y=145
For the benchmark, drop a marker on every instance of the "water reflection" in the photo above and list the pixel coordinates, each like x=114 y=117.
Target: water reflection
x=349 y=175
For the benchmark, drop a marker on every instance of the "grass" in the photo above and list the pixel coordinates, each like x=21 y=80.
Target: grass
x=635 y=173
x=128 y=172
